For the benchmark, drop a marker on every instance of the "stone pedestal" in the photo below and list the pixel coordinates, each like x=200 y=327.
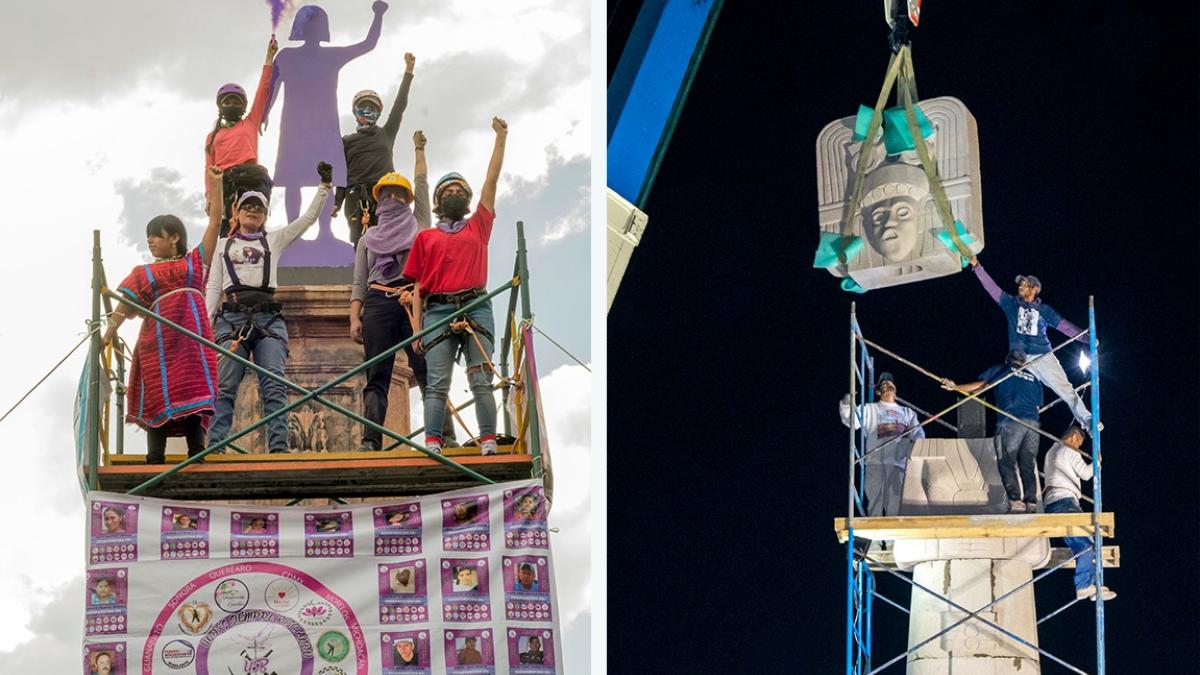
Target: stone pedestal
x=960 y=476
x=973 y=647
x=319 y=350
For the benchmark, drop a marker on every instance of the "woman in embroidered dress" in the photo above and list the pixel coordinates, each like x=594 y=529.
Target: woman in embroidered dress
x=173 y=378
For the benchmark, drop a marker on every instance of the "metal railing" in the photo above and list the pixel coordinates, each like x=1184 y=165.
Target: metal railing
x=861 y=591
x=518 y=288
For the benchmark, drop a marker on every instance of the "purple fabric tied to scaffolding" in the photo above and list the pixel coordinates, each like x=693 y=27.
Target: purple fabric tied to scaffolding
x=308 y=129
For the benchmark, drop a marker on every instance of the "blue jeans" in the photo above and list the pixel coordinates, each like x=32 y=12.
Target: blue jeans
x=1017 y=448
x=439 y=361
x=1086 y=563
x=268 y=351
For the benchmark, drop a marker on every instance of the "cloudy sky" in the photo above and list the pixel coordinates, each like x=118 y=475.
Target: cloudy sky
x=103 y=112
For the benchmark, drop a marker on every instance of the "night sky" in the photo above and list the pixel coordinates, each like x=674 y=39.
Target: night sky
x=728 y=351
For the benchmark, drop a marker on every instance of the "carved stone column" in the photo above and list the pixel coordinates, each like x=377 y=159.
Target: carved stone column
x=319 y=350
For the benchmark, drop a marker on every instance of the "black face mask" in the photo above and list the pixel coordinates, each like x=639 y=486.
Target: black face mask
x=233 y=112
x=454 y=207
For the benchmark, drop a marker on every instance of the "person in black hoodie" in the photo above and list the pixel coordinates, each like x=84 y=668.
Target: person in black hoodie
x=369 y=152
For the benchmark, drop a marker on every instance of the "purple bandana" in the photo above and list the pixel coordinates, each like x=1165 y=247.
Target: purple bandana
x=451 y=228
x=394 y=234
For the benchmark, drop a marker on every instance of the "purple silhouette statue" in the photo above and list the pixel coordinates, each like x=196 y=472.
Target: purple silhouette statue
x=309 y=130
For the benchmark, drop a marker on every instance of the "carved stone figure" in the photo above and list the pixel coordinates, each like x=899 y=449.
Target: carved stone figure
x=897 y=235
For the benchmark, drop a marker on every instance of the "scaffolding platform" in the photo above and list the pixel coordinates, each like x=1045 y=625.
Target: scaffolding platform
x=886 y=559
x=969 y=526
x=336 y=474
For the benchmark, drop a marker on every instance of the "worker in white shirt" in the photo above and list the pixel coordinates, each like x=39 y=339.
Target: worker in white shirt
x=883 y=420
x=1065 y=468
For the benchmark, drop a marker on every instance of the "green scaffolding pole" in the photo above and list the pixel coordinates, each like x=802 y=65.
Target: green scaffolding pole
x=535 y=435
x=93 y=410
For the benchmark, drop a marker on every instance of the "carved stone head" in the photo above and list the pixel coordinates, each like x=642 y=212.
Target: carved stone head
x=894 y=204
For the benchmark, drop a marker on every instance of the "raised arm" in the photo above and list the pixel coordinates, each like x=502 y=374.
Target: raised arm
x=292 y=231
x=392 y=125
x=845 y=410
x=356 y=50
x=1067 y=328
x=986 y=280
x=487 y=196
x=358 y=293
x=968 y=388
x=417 y=307
x=263 y=93
x=421 y=183
x=212 y=292
x=216 y=208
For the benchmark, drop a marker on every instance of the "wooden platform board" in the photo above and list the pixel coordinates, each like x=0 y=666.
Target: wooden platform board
x=1111 y=555
x=959 y=527
x=289 y=476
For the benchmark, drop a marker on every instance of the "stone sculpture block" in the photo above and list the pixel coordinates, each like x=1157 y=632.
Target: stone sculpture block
x=905 y=239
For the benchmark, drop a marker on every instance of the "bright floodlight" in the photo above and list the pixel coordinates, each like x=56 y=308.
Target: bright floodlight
x=1084 y=361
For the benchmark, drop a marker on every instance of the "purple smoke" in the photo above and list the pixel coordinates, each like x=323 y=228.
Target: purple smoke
x=278 y=7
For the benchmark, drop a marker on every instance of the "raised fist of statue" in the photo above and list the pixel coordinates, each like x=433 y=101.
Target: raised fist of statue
x=325 y=171
x=379 y=6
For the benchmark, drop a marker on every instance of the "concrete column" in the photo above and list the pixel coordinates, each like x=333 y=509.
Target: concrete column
x=973 y=648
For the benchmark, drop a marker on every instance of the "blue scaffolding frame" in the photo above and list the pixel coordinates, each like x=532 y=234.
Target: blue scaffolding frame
x=860 y=579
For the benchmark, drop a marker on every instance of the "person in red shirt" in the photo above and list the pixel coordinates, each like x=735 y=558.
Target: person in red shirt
x=233 y=142
x=448 y=265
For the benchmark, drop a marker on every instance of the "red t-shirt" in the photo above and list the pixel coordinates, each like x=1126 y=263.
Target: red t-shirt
x=448 y=263
x=239 y=143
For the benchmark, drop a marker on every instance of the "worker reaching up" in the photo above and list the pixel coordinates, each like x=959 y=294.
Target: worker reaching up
x=250 y=322
x=448 y=265
x=172 y=380
x=1028 y=318
x=369 y=152
x=884 y=469
x=233 y=142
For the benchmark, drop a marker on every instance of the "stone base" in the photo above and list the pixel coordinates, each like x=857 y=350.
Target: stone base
x=319 y=350
x=973 y=648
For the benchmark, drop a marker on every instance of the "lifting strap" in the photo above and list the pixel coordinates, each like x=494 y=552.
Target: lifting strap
x=900 y=74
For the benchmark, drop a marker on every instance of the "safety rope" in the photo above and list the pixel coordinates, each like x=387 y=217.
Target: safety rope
x=403 y=295
x=860 y=170
x=908 y=96
x=976 y=395
x=900 y=74
x=560 y=347
x=464 y=324
x=88 y=335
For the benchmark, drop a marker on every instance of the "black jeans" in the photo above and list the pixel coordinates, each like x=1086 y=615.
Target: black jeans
x=385 y=323
x=156 y=440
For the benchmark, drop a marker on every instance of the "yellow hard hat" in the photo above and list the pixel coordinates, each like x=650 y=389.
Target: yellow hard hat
x=392 y=178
